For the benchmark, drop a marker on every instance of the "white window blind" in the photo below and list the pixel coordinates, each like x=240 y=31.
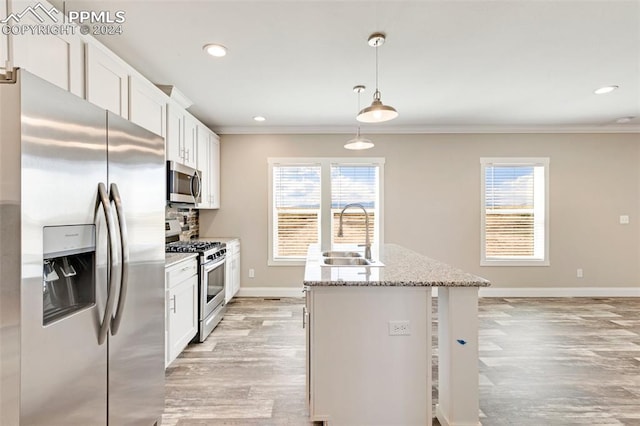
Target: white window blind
x=296 y=196
x=354 y=184
x=514 y=211
x=306 y=196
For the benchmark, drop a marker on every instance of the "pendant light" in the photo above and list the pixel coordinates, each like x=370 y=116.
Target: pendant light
x=358 y=142
x=377 y=112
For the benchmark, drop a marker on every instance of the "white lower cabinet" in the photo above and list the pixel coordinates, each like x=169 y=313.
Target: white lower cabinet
x=232 y=265
x=181 y=326
x=357 y=371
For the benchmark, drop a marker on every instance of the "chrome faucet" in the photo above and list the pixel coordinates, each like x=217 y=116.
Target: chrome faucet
x=367 y=242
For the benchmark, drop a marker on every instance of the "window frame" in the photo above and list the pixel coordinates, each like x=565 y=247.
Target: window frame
x=325 y=236
x=514 y=161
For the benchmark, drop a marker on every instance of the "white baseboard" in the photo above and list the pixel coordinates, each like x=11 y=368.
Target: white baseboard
x=560 y=292
x=271 y=292
x=484 y=292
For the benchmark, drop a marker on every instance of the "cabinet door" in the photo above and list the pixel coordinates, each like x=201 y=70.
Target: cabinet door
x=107 y=81
x=183 y=320
x=190 y=141
x=235 y=268
x=228 y=276
x=306 y=324
x=214 y=171
x=58 y=59
x=203 y=164
x=175 y=133
x=147 y=105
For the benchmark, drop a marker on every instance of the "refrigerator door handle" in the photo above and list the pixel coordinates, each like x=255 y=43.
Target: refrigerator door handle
x=124 y=246
x=103 y=200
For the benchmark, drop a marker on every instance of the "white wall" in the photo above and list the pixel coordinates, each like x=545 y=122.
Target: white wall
x=432 y=201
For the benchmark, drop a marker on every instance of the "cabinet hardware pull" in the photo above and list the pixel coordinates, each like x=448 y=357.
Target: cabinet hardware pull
x=304 y=317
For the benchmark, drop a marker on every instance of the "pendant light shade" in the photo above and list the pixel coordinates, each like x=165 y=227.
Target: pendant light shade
x=377 y=112
x=358 y=142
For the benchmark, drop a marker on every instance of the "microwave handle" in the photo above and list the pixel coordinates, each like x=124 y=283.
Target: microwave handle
x=195 y=182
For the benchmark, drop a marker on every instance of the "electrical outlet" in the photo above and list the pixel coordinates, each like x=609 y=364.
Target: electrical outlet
x=579 y=273
x=624 y=219
x=252 y=273
x=399 y=328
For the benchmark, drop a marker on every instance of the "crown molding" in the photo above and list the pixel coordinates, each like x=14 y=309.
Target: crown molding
x=369 y=130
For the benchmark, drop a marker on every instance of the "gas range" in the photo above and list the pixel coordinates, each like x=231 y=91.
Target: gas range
x=208 y=250
x=211 y=275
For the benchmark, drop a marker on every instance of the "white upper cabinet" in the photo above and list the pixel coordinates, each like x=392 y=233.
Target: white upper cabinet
x=58 y=59
x=175 y=133
x=203 y=165
x=182 y=136
x=147 y=105
x=107 y=80
x=214 y=182
x=209 y=165
x=190 y=141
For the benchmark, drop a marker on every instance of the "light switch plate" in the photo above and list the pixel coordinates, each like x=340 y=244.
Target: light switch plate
x=624 y=219
x=399 y=328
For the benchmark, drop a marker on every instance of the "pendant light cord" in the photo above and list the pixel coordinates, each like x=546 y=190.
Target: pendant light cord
x=358 y=129
x=376 y=68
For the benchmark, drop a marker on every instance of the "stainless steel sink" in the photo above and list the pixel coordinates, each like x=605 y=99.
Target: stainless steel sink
x=345 y=261
x=341 y=254
x=348 y=261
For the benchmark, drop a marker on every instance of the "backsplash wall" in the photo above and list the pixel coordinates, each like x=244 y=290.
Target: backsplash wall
x=189 y=219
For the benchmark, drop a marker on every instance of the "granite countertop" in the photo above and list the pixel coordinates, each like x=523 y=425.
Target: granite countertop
x=220 y=239
x=403 y=267
x=171 y=259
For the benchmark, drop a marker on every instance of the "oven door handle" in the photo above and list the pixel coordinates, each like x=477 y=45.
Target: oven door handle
x=213 y=264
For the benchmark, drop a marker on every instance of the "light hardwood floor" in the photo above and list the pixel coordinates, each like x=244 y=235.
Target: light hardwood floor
x=564 y=361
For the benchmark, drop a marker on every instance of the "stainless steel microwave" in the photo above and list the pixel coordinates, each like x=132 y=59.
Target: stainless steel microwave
x=183 y=183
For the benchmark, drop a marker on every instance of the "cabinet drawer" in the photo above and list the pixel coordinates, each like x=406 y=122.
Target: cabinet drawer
x=181 y=272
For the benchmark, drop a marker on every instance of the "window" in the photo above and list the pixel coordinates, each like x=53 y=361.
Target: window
x=296 y=206
x=307 y=196
x=514 y=212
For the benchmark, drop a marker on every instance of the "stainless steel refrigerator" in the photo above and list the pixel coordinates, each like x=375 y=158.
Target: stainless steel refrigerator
x=82 y=197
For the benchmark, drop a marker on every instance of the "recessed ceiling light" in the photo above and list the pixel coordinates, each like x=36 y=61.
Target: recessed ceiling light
x=623 y=120
x=259 y=118
x=216 y=50
x=605 y=89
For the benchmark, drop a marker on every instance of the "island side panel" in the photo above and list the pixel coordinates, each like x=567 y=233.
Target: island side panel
x=359 y=373
x=458 y=374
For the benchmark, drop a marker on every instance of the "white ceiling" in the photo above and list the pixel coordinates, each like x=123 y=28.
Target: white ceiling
x=447 y=66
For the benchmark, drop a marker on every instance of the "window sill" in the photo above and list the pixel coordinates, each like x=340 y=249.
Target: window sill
x=514 y=263
x=288 y=262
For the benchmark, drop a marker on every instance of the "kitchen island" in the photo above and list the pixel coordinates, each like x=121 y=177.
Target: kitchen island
x=369 y=340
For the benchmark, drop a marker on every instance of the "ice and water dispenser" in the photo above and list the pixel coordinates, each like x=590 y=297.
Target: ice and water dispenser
x=68 y=270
